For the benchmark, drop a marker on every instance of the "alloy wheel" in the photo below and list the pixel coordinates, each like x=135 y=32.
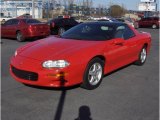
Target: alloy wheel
x=143 y=55
x=95 y=74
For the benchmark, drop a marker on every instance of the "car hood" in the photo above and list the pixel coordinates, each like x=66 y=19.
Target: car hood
x=55 y=48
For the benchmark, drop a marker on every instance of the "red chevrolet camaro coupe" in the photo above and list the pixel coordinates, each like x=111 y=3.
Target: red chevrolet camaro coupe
x=81 y=55
x=21 y=29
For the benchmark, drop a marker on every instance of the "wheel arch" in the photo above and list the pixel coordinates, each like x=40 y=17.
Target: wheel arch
x=145 y=45
x=100 y=57
x=17 y=31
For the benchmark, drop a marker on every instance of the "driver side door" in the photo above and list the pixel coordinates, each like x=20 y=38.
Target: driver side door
x=121 y=50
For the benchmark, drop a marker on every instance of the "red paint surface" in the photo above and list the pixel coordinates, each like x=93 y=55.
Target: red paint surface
x=78 y=53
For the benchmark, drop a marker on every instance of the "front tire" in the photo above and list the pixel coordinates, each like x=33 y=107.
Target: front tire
x=93 y=74
x=20 y=37
x=154 y=26
x=142 y=56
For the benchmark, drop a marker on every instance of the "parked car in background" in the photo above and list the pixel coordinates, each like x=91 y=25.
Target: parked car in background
x=25 y=16
x=81 y=55
x=60 y=25
x=129 y=21
x=24 y=28
x=4 y=18
x=149 y=22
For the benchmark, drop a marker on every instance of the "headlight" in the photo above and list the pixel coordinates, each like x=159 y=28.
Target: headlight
x=55 y=64
x=15 y=54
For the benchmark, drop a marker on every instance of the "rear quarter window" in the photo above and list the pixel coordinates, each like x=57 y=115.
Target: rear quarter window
x=128 y=33
x=124 y=32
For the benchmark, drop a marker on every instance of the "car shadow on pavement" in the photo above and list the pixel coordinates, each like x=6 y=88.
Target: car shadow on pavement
x=60 y=105
x=84 y=113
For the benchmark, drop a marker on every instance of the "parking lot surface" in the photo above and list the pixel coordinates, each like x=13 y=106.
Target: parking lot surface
x=131 y=93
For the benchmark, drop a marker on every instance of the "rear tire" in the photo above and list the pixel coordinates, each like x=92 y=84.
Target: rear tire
x=20 y=37
x=93 y=74
x=142 y=56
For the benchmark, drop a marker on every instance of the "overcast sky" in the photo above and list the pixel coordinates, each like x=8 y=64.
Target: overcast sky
x=129 y=4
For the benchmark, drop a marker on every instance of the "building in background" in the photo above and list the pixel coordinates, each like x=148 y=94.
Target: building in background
x=16 y=8
x=148 y=7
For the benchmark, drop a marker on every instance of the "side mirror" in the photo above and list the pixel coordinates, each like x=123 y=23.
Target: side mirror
x=119 y=41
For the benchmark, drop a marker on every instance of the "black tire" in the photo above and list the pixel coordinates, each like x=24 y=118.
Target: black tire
x=19 y=36
x=141 y=60
x=86 y=82
x=154 y=26
x=61 y=30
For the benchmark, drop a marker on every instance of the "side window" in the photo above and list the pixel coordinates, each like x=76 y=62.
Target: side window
x=128 y=33
x=9 y=22
x=60 y=22
x=148 y=19
x=15 y=22
x=72 y=21
x=119 y=32
x=66 y=21
x=124 y=32
x=32 y=21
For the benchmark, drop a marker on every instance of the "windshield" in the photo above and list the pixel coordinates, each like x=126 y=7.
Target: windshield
x=90 y=31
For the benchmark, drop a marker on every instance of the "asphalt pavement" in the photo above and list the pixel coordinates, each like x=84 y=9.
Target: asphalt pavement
x=131 y=93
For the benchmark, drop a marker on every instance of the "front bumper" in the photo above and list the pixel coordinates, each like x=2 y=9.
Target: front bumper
x=45 y=77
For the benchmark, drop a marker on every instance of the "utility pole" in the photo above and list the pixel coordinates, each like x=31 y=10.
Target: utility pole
x=32 y=8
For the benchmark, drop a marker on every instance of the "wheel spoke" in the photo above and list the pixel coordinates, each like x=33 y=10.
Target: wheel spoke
x=99 y=69
x=92 y=73
x=94 y=67
x=92 y=79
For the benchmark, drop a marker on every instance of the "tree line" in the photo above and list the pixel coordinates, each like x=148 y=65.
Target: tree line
x=88 y=8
